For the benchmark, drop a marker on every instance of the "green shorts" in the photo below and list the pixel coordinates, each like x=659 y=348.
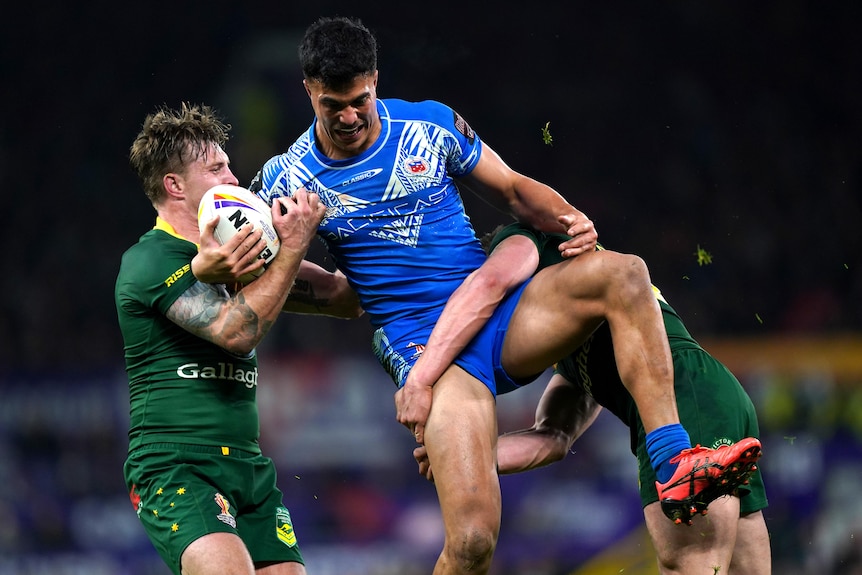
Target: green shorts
x=713 y=407
x=183 y=492
x=715 y=410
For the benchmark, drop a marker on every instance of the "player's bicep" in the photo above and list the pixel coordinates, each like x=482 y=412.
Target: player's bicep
x=491 y=180
x=198 y=309
x=516 y=259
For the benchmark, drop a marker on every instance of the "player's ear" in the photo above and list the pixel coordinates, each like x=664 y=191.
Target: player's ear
x=173 y=184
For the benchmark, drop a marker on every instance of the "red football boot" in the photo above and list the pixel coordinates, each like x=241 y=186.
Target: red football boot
x=703 y=475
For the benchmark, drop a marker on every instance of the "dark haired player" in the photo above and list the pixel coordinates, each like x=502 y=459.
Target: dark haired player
x=386 y=170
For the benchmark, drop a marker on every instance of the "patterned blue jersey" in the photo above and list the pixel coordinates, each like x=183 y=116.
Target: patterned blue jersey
x=395 y=223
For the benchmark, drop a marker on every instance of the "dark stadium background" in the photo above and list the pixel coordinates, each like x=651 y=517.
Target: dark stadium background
x=730 y=127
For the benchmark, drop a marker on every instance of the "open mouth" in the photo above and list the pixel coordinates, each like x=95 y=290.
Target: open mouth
x=349 y=133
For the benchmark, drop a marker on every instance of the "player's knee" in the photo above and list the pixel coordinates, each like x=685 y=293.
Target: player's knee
x=472 y=549
x=632 y=268
x=629 y=276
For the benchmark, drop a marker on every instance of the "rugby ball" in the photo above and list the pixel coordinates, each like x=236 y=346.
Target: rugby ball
x=236 y=207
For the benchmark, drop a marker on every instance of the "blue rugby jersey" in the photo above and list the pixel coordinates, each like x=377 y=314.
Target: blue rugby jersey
x=395 y=223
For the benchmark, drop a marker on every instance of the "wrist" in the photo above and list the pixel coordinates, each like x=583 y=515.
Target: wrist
x=195 y=267
x=415 y=380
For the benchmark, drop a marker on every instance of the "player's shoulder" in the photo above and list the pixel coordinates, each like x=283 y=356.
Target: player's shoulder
x=158 y=247
x=276 y=169
x=542 y=240
x=423 y=110
x=517 y=228
x=158 y=239
x=297 y=150
x=432 y=112
x=158 y=258
x=415 y=107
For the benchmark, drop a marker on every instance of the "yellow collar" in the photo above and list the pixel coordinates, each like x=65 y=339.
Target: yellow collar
x=168 y=228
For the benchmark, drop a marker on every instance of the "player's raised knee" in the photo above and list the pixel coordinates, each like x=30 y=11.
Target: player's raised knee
x=471 y=551
x=628 y=270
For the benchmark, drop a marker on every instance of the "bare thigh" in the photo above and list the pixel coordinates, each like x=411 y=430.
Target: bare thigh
x=461 y=439
x=700 y=548
x=217 y=553
x=560 y=308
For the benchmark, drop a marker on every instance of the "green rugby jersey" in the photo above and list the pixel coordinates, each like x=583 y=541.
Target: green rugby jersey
x=182 y=389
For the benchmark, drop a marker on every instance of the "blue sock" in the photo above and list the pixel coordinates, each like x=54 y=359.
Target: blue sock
x=664 y=443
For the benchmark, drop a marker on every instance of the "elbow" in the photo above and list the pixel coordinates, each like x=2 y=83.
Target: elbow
x=241 y=346
x=349 y=306
x=239 y=350
x=353 y=312
x=492 y=282
x=558 y=445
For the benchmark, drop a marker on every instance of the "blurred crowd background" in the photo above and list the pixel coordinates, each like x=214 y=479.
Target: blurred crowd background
x=726 y=128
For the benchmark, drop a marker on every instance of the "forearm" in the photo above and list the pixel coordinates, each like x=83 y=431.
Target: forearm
x=539 y=206
x=564 y=412
x=321 y=292
x=467 y=311
x=250 y=313
x=529 y=449
x=531 y=202
x=236 y=322
x=472 y=304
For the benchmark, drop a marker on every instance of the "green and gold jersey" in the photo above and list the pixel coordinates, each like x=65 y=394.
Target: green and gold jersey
x=182 y=389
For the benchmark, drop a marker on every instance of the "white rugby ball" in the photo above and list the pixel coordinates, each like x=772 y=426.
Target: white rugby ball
x=237 y=206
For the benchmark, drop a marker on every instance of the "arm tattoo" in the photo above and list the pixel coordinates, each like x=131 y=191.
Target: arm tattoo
x=198 y=307
x=245 y=320
x=201 y=306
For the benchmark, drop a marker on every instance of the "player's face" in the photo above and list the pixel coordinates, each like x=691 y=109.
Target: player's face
x=347 y=120
x=209 y=169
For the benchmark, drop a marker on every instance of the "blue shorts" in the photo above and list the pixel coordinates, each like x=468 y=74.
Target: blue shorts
x=398 y=345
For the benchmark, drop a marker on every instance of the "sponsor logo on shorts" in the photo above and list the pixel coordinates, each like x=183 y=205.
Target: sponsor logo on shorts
x=417 y=348
x=582 y=364
x=135 y=498
x=284 y=527
x=721 y=441
x=224 y=516
x=225 y=371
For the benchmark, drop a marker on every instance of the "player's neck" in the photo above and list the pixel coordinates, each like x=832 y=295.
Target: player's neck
x=182 y=223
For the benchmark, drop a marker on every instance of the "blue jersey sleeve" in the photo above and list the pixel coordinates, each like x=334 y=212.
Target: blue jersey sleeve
x=281 y=175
